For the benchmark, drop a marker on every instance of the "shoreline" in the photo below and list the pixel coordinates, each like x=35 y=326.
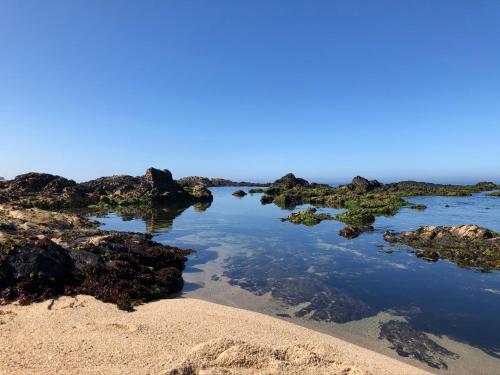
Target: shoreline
x=82 y=335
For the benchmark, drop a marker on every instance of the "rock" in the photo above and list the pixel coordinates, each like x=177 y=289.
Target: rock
x=220 y=182
x=202 y=194
x=266 y=199
x=362 y=184
x=38 y=183
x=307 y=217
x=159 y=181
x=193 y=181
x=467 y=245
x=48 y=254
x=257 y=191
x=289 y=181
x=55 y=192
x=239 y=193
x=352 y=231
x=419 y=207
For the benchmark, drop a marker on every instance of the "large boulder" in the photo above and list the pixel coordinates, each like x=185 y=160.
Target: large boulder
x=290 y=181
x=364 y=185
x=159 y=181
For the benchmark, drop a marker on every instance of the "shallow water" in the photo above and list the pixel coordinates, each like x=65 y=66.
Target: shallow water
x=246 y=257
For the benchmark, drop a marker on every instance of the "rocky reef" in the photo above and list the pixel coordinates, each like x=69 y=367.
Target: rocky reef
x=54 y=192
x=192 y=181
x=466 y=245
x=46 y=254
x=239 y=193
x=495 y=194
x=363 y=199
x=307 y=217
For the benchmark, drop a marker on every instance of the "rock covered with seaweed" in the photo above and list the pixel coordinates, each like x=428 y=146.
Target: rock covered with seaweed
x=46 y=254
x=467 y=245
x=363 y=199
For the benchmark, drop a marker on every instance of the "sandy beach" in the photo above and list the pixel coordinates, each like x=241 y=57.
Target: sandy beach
x=180 y=336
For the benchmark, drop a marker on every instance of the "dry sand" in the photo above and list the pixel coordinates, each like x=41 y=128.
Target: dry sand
x=181 y=336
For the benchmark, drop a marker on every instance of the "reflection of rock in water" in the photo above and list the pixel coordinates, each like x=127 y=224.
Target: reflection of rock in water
x=409 y=342
x=157 y=218
x=287 y=279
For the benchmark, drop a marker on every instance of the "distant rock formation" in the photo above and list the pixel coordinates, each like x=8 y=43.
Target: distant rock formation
x=192 y=181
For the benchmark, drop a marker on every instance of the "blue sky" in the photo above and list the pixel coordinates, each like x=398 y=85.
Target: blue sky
x=251 y=89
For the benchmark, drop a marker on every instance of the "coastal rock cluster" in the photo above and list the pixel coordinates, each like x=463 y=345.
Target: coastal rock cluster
x=49 y=191
x=192 y=181
x=467 y=245
x=363 y=199
x=46 y=254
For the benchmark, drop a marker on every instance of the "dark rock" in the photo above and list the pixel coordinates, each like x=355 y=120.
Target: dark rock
x=193 y=181
x=362 y=184
x=48 y=191
x=266 y=199
x=122 y=268
x=290 y=181
x=239 y=193
x=350 y=231
x=38 y=183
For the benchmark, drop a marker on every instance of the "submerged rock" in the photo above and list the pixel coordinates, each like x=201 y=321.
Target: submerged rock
x=408 y=342
x=307 y=217
x=353 y=231
x=266 y=199
x=239 y=193
x=467 y=245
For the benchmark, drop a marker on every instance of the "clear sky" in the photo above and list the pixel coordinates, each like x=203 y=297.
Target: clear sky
x=251 y=89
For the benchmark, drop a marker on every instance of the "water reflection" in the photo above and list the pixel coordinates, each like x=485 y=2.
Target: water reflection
x=323 y=277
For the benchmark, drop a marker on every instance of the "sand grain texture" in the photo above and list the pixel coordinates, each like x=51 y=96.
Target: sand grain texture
x=181 y=336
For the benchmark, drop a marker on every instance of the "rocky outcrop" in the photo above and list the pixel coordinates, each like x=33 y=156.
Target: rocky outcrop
x=467 y=245
x=363 y=185
x=239 y=193
x=47 y=254
x=308 y=217
x=290 y=181
x=49 y=191
x=353 y=231
x=193 y=181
